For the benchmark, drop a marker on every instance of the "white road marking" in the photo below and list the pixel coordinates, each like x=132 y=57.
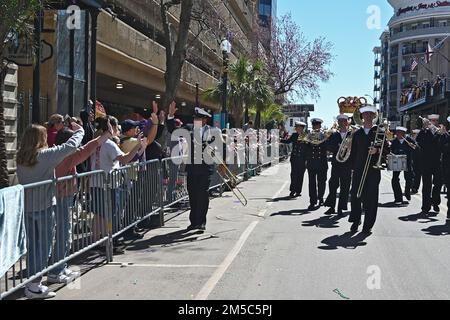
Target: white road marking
x=137 y=265
x=263 y=212
x=220 y=271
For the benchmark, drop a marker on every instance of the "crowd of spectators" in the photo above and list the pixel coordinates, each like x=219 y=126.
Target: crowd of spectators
x=425 y=89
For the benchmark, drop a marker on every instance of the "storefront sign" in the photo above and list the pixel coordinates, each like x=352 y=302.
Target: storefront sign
x=423 y=6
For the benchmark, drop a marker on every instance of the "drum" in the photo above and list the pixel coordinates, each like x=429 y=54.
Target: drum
x=397 y=163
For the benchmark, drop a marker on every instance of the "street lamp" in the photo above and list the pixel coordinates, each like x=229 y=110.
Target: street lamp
x=225 y=46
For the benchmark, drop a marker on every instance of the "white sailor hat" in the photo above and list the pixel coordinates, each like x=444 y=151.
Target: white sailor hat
x=365 y=109
x=434 y=117
x=316 y=120
x=416 y=131
x=403 y=129
x=448 y=119
x=342 y=117
x=201 y=113
x=300 y=124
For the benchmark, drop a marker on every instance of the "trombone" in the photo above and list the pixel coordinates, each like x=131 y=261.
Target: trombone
x=380 y=141
x=228 y=177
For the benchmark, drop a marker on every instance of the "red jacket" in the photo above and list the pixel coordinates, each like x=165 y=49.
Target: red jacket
x=51 y=137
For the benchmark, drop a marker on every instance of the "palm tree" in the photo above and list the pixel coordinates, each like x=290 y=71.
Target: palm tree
x=15 y=16
x=270 y=113
x=248 y=88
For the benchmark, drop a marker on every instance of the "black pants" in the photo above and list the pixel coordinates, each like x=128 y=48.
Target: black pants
x=198 y=190
x=369 y=198
x=398 y=194
x=416 y=179
x=317 y=184
x=340 y=177
x=298 y=169
x=447 y=184
x=432 y=185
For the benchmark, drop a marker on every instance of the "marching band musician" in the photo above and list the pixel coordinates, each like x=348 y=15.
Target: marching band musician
x=198 y=175
x=416 y=173
x=298 y=159
x=341 y=173
x=317 y=165
x=429 y=141
x=361 y=148
x=402 y=145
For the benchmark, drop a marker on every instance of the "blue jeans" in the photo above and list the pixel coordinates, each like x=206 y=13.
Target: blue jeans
x=63 y=233
x=40 y=228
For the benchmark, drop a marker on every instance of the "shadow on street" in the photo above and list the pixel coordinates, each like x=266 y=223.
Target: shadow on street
x=346 y=241
x=443 y=230
x=428 y=218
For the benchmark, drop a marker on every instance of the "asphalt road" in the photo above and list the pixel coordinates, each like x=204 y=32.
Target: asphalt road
x=274 y=249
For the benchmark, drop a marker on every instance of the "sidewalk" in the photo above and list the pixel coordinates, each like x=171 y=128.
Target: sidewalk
x=170 y=264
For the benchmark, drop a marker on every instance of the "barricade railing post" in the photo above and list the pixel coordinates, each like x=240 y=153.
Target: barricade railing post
x=160 y=193
x=107 y=189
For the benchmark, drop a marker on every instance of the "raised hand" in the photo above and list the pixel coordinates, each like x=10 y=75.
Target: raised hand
x=154 y=119
x=155 y=107
x=173 y=109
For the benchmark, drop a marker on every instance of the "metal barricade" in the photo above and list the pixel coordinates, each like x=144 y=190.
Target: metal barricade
x=60 y=225
x=135 y=193
x=174 y=181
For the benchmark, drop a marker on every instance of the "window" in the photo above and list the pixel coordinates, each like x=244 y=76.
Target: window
x=425 y=25
x=442 y=23
x=414 y=26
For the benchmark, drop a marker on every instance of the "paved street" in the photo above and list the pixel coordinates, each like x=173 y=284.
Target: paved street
x=274 y=249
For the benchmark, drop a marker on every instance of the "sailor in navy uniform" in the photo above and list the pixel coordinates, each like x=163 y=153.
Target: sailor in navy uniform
x=400 y=146
x=361 y=147
x=298 y=159
x=341 y=173
x=317 y=164
x=416 y=167
x=431 y=166
x=198 y=171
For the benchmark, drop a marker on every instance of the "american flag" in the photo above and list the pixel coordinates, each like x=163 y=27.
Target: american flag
x=414 y=64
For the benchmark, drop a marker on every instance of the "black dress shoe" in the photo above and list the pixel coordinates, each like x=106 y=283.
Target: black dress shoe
x=202 y=227
x=436 y=209
x=312 y=207
x=191 y=227
x=298 y=194
x=408 y=197
x=340 y=213
x=367 y=231
x=355 y=226
x=321 y=203
x=292 y=194
x=414 y=191
x=330 y=212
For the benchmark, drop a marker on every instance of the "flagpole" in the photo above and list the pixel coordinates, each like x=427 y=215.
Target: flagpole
x=438 y=50
x=423 y=64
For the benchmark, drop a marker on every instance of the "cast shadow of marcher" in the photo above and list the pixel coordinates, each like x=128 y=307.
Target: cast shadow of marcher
x=438 y=230
x=427 y=218
x=346 y=241
x=288 y=198
x=292 y=213
x=181 y=236
x=325 y=222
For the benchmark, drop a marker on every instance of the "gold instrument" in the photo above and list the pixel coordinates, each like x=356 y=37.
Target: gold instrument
x=345 y=148
x=379 y=142
x=413 y=146
x=228 y=177
x=318 y=137
x=426 y=123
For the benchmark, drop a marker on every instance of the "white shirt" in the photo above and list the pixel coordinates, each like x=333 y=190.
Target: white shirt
x=105 y=157
x=367 y=131
x=343 y=135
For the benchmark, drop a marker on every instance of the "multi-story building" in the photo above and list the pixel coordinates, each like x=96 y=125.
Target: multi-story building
x=124 y=66
x=416 y=26
x=267 y=10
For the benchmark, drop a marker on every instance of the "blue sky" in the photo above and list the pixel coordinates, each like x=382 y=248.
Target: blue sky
x=344 y=23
